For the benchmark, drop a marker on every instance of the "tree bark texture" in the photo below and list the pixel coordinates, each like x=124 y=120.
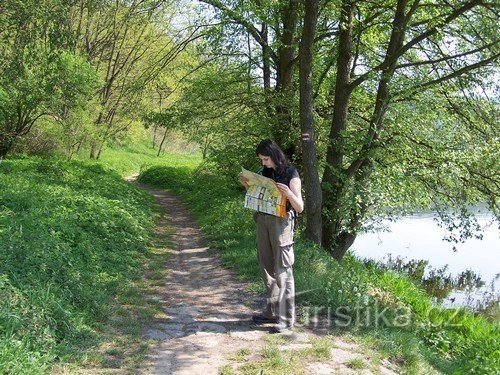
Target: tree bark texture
x=333 y=177
x=285 y=69
x=313 y=194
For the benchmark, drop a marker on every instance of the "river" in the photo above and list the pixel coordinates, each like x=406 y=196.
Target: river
x=419 y=237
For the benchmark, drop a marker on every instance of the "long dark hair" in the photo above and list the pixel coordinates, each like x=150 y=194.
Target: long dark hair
x=268 y=147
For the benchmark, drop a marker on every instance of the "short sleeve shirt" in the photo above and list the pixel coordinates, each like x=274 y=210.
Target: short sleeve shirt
x=284 y=178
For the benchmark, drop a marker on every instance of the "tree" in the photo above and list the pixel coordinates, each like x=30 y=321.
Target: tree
x=273 y=27
x=39 y=76
x=130 y=44
x=221 y=113
x=375 y=65
x=414 y=62
x=313 y=194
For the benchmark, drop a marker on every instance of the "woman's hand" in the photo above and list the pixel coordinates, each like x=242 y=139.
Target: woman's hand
x=284 y=189
x=293 y=193
x=244 y=181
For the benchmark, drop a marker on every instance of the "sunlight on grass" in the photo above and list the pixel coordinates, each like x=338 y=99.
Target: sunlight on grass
x=356 y=364
x=74 y=289
x=353 y=296
x=141 y=156
x=240 y=355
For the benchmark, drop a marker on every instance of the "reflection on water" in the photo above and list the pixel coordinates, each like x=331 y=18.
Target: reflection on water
x=415 y=245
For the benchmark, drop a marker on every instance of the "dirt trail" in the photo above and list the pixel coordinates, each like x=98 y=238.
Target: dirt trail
x=210 y=311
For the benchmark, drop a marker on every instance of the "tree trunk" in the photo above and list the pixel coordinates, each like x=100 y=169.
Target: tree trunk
x=6 y=143
x=313 y=194
x=99 y=151
x=94 y=151
x=285 y=78
x=333 y=177
x=162 y=142
x=266 y=71
x=343 y=242
x=337 y=239
x=155 y=129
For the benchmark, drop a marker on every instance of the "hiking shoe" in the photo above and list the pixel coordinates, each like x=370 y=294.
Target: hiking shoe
x=262 y=319
x=280 y=328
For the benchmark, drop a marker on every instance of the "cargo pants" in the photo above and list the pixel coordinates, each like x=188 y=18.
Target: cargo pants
x=276 y=258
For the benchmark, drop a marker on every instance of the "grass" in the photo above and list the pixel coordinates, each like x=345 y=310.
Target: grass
x=272 y=361
x=127 y=160
x=357 y=364
x=374 y=304
x=240 y=355
x=322 y=348
x=76 y=264
x=75 y=242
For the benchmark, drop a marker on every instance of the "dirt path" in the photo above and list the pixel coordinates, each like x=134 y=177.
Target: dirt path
x=209 y=330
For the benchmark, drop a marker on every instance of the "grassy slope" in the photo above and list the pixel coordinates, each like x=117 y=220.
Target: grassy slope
x=72 y=238
x=75 y=240
x=408 y=329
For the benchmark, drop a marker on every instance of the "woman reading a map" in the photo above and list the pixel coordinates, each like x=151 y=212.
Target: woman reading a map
x=275 y=238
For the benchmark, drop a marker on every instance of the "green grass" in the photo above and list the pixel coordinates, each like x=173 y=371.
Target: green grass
x=357 y=364
x=372 y=303
x=272 y=361
x=139 y=156
x=73 y=244
x=74 y=251
x=240 y=355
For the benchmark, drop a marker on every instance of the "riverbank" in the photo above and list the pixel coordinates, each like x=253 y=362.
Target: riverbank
x=385 y=307
x=464 y=274
x=57 y=308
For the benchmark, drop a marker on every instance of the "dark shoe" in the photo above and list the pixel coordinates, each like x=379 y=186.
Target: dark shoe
x=262 y=319
x=280 y=328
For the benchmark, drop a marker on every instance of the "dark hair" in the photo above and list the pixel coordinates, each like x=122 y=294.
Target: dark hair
x=268 y=147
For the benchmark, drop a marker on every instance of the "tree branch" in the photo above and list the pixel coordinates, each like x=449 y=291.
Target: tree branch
x=239 y=19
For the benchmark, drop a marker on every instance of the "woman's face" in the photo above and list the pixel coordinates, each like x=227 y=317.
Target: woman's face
x=267 y=161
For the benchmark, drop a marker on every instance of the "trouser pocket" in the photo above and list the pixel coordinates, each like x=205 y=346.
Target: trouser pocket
x=285 y=237
x=287 y=256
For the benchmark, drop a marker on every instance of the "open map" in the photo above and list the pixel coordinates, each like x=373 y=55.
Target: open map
x=263 y=195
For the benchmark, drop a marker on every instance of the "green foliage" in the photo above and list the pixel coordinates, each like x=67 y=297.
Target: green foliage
x=40 y=75
x=139 y=155
x=417 y=130
x=224 y=114
x=72 y=236
x=356 y=296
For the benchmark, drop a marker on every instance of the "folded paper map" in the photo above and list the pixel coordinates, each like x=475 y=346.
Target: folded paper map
x=263 y=195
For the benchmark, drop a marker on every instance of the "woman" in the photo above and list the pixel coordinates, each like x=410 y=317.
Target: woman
x=275 y=239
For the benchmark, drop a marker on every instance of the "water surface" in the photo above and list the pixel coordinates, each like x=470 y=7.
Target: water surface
x=419 y=237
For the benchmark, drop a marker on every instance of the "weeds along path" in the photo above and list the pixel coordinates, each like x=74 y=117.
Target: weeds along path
x=206 y=327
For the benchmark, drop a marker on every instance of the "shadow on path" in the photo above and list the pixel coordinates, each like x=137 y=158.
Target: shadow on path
x=208 y=309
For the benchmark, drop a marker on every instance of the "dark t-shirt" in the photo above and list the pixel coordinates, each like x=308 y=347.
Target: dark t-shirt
x=283 y=178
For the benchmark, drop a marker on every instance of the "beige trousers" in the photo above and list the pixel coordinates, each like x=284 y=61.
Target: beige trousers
x=276 y=258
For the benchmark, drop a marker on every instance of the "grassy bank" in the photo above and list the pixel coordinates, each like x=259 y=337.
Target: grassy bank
x=73 y=241
x=139 y=155
x=382 y=308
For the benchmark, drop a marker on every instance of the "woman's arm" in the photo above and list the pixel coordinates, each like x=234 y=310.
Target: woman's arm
x=293 y=193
